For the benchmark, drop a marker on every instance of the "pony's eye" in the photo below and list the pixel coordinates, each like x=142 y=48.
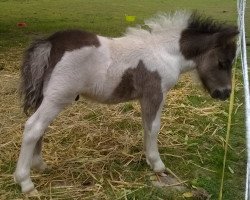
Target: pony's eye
x=222 y=65
x=225 y=64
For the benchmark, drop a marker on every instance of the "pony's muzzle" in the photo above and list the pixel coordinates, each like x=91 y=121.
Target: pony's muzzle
x=221 y=94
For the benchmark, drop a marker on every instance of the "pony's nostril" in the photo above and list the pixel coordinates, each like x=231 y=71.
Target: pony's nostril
x=221 y=94
x=216 y=94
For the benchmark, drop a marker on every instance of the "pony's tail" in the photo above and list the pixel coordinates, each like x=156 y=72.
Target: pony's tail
x=33 y=74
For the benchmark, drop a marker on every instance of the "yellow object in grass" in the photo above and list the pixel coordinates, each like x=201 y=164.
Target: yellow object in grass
x=130 y=18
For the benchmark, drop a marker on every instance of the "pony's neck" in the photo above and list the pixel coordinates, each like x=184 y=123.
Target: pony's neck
x=187 y=65
x=170 y=43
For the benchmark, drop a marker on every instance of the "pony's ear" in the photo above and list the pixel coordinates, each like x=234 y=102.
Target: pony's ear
x=227 y=35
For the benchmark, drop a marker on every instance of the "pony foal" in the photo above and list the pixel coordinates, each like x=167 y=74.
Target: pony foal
x=142 y=65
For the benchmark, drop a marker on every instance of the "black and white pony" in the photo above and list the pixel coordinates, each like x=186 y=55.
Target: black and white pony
x=143 y=65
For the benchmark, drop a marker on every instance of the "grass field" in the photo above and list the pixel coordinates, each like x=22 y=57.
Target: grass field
x=95 y=151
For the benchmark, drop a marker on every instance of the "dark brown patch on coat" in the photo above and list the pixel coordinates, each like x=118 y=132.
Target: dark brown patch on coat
x=139 y=83
x=69 y=40
x=32 y=82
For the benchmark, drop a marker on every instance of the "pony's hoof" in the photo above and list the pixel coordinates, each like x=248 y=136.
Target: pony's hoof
x=164 y=179
x=27 y=185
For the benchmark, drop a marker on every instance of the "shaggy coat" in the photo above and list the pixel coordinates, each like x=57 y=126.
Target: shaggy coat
x=142 y=64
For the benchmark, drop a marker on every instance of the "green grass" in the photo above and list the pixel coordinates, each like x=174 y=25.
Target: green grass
x=104 y=17
x=194 y=125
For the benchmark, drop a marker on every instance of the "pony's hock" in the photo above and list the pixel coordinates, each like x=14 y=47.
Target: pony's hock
x=141 y=65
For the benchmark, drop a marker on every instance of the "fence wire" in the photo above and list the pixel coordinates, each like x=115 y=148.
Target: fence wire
x=241 y=6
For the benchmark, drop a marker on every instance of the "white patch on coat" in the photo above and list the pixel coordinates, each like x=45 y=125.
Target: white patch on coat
x=96 y=71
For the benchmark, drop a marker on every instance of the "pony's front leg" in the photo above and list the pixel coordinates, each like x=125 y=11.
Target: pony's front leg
x=151 y=115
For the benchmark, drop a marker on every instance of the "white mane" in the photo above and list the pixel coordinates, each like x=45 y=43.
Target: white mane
x=162 y=22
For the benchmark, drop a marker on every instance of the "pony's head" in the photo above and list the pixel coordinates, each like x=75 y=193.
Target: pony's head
x=212 y=46
x=215 y=66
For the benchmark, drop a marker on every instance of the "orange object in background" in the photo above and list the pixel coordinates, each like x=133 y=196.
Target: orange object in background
x=21 y=24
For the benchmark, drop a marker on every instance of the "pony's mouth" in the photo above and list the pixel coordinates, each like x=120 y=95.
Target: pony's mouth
x=221 y=94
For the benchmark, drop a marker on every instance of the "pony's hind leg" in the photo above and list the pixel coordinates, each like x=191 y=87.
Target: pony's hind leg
x=33 y=131
x=37 y=160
